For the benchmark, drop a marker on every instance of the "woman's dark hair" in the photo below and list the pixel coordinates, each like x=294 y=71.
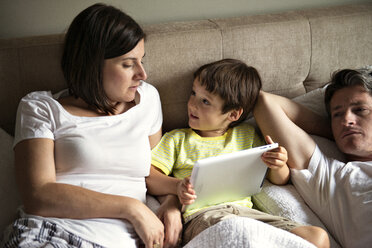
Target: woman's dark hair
x=235 y=82
x=99 y=32
x=346 y=78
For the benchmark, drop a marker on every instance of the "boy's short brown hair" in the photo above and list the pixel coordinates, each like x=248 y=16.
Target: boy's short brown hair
x=235 y=82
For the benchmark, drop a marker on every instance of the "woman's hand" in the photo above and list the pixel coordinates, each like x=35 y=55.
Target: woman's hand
x=185 y=192
x=147 y=225
x=169 y=212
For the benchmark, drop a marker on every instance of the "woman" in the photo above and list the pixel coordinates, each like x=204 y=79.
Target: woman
x=82 y=155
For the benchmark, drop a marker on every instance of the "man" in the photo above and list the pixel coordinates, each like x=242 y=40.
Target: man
x=340 y=193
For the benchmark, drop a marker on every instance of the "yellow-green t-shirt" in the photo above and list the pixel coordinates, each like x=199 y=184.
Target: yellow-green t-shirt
x=179 y=149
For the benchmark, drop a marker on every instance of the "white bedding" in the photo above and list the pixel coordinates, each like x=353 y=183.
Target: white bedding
x=245 y=232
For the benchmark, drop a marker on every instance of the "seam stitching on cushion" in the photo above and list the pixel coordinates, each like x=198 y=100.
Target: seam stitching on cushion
x=311 y=53
x=222 y=40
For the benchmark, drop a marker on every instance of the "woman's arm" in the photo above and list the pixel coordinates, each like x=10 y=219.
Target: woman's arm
x=155 y=138
x=42 y=195
x=169 y=211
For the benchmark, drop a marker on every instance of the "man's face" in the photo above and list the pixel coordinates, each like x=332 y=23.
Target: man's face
x=351 y=115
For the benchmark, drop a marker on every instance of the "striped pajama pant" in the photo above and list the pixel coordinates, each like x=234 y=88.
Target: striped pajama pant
x=30 y=232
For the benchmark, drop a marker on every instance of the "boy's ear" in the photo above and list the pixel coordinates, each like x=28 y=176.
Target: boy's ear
x=235 y=114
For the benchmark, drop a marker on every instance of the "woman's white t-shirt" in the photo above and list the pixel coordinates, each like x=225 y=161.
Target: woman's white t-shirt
x=108 y=154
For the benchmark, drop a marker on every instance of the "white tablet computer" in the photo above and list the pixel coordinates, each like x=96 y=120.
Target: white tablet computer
x=228 y=177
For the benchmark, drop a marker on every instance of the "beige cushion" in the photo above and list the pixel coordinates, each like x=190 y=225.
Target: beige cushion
x=8 y=189
x=341 y=38
x=173 y=52
x=276 y=45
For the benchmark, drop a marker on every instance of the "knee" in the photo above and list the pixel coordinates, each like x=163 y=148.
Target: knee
x=315 y=235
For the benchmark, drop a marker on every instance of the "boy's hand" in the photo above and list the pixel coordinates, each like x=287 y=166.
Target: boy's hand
x=275 y=159
x=185 y=192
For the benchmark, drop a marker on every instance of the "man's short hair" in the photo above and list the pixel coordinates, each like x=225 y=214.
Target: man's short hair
x=346 y=78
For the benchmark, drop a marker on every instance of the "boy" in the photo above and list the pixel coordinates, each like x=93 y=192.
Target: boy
x=223 y=94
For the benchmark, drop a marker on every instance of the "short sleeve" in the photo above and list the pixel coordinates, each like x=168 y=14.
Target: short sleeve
x=33 y=120
x=164 y=155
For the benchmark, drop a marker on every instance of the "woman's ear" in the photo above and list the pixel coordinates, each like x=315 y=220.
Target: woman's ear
x=235 y=114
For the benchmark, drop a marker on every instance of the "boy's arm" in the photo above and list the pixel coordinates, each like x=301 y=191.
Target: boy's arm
x=279 y=176
x=160 y=184
x=285 y=121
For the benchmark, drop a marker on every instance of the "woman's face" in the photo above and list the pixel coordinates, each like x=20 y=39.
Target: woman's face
x=122 y=75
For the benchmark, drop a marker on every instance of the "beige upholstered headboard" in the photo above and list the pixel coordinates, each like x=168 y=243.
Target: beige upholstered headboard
x=294 y=52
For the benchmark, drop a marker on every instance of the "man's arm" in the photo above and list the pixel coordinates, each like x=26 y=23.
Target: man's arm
x=288 y=123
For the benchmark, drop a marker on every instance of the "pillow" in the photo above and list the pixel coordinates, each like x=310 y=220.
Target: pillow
x=9 y=197
x=313 y=100
x=285 y=201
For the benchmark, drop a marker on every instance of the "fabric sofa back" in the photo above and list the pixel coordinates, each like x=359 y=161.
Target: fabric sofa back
x=294 y=52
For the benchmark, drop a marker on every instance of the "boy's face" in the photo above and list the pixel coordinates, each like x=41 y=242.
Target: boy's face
x=205 y=112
